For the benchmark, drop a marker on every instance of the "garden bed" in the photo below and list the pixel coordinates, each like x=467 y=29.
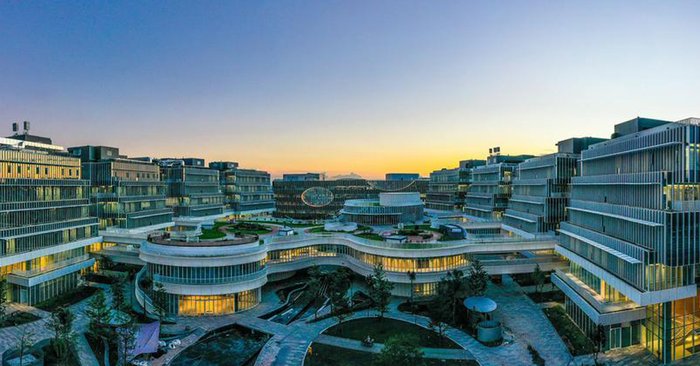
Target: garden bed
x=549 y=296
x=322 y=354
x=69 y=298
x=573 y=337
x=382 y=329
x=18 y=318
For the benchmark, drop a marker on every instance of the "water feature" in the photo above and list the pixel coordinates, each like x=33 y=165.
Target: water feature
x=229 y=346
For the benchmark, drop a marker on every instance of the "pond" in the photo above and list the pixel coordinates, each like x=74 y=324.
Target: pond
x=234 y=346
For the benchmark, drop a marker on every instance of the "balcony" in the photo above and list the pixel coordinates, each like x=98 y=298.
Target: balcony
x=36 y=276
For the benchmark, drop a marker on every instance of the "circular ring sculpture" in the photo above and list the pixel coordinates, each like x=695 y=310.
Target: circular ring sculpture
x=317 y=197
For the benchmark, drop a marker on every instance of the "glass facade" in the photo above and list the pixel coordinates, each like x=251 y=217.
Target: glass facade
x=197 y=305
x=43 y=204
x=246 y=190
x=193 y=191
x=290 y=202
x=634 y=214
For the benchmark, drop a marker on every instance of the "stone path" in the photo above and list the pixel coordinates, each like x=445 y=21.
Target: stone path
x=439 y=353
x=528 y=324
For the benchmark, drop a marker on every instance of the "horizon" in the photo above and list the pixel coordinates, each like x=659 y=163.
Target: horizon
x=363 y=87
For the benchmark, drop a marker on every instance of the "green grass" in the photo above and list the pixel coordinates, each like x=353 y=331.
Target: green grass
x=383 y=329
x=208 y=234
x=18 y=318
x=370 y=236
x=69 y=298
x=248 y=228
x=573 y=337
x=324 y=355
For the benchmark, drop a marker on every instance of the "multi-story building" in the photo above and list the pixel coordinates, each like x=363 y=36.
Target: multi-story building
x=490 y=188
x=402 y=176
x=127 y=194
x=192 y=189
x=632 y=238
x=248 y=191
x=46 y=229
x=303 y=177
x=448 y=187
x=541 y=189
x=322 y=199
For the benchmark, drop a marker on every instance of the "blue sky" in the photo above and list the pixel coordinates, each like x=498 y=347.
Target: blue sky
x=361 y=86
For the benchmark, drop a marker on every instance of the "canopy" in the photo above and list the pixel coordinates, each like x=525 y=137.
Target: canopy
x=146 y=339
x=480 y=304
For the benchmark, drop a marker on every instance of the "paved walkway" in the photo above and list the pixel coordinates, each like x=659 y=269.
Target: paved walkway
x=527 y=323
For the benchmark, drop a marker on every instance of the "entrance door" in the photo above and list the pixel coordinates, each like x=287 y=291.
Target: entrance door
x=615 y=338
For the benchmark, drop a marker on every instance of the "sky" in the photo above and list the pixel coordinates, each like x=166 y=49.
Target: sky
x=343 y=86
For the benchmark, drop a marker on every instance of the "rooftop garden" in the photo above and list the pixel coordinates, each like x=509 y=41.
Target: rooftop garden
x=248 y=228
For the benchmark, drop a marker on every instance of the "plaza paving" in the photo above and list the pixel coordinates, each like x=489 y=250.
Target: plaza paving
x=524 y=324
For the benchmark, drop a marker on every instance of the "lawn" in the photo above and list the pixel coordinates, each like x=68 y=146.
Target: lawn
x=336 y=356
x=383 y=329
x=572 y=335
x=18 y=318
x=370 y=236
x=69 y=298
x=208 y=234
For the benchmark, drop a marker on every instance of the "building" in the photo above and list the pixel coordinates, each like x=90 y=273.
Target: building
x=46 y=227
x=303 y=177
x=323 y=199
x=247 y=191
x=402 y=176
x=126 y=193
x=192 y=189
x=490 y=187
x=204 y=277
x=541 y=189
x=389 y=209
x=224 y=277
x=448 y=187
x=632 y=238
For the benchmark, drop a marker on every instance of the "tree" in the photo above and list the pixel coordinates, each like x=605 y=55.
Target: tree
x=3 y=298
x=338 y=286
x=61 y=324
x=440 y=312
x=538 y=278
x=411 y=277
x=477 y=279
x=26 y=342
x=450 y=290
x=118 y=296
x=126 y=339
x=160 y=300
x=99 y=315
x=314 y=286
x=379 y=289
x=599 y=338
x=402 y=349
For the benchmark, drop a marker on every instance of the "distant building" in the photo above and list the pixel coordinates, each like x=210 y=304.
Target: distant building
x=126 y=193
x=193 y=190
x=448 y=187
x=402 y=176
x=247 y=191
x=388 y=209
x=490 y=186
x=302 y=177
x=541 y=189
x=325 y=198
